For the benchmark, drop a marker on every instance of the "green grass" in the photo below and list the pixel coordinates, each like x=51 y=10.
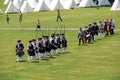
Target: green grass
x=73 y=18
x=96 y=61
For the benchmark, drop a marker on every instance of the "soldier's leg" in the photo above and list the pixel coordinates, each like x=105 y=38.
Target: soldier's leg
x=45 y=55
x=29 y=58
x=83 y=41
x=39 y=55
x=51 y=53
x=98 y=35
x=17 y=58
x=79 y=41
x=61 y=48
x=56 y=51
x=57 y=18
x=65 y=49
x=60 y=18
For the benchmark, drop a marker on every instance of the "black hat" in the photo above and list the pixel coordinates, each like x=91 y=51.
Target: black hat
x=19 y=41
x=105 y=22
x=39 y=38
x=62 y=33
x=33 y=40
x=95 y=23
x=30 y=41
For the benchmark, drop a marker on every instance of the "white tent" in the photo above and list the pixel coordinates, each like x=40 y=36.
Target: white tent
x=17 y=3
x=37 y=1
x=78 y=1
x=26 y=7
x=87 y=3
x=32 y=3
x=116 y=5
x=41 y=6
x=11 y=8
x=22 y=1
x=6 y=1
x=56 y=5
x=70 y=4
x=48 y=2
x=62 y=1
x=1 y=12
x=104 y=3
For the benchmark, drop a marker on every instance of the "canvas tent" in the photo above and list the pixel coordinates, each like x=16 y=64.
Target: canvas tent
x=17 y=3
x=116 y=5
x=22 y=1
x=11 y=8
x=6 y=1
x=62 y=1
x=78 y=1
x=70 y=4
x=87 y=3
x=48 y=2
x=37 y=1
x=41 y=6
x=26 y=7
x=1 y=11
x=56 y=5
x=32 y=3
x=104 y=2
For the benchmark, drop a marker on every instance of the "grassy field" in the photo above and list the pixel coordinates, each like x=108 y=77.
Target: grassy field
x=73 y=18
x=97 y=61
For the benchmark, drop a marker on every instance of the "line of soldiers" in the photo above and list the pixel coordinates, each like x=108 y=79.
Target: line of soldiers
x=38 y=50
x=95 y=30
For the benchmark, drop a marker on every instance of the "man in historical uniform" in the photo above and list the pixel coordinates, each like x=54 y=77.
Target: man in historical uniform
x=31 y=51
x=35 y=48
x=64 y=42
x=41 y=47
x=81 y=36
x=53 y=45
x=96 y=30
x=19 y=51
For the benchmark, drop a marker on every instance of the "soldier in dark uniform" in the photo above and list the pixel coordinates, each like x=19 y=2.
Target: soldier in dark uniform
x=91 y=31
x=64 y=42
x=19 y=51
x=53 y=44
x=41 y=48
x=31 y=51
x=96 y=29
x=47 y=46
x=35 y=48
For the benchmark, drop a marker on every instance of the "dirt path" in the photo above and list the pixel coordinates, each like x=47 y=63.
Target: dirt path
x=76 y=29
